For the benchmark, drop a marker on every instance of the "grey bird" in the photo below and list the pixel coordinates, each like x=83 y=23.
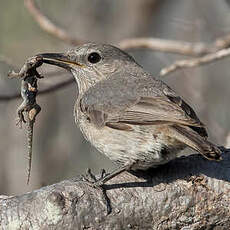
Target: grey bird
x=136 y=120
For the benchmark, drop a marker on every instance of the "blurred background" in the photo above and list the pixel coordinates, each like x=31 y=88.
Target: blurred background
x=59 y=151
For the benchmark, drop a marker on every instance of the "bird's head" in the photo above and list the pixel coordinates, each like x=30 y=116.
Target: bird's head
x=91 y=62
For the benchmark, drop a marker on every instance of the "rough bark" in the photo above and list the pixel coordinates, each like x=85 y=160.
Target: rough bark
x=188 y=193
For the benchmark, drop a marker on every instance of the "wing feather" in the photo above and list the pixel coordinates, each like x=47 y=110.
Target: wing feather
x=142 y=101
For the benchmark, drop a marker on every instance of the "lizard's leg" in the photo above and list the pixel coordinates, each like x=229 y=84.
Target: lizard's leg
x=20 y=111
x=13 y=74
x=32 y=62
x=33 y=112
x=21 y=73
x=38 y=75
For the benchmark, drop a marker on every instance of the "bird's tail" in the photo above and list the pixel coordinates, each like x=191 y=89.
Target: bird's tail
x=195 y=141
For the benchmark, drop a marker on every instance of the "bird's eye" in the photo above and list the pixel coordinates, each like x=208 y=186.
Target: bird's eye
x=94 y=57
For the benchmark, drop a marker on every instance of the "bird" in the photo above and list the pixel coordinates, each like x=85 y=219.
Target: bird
x=129 y=115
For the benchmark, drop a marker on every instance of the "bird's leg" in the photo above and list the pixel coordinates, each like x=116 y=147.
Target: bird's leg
x=89 y=176
x=102 y=174
x=106 y=177
x=98 y=183
x=91 y=180
x=109 y=176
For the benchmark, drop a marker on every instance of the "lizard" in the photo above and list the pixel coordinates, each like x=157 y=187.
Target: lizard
x=29 y=90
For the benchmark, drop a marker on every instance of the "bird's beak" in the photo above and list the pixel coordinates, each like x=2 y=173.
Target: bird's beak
x=59 y=59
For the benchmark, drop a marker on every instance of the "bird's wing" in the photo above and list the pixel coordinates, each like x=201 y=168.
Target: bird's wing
x=119 y=101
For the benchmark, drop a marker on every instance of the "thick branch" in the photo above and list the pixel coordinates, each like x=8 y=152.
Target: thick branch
x=189 y=192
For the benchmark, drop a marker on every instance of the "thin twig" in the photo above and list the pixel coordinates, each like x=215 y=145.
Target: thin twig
x=47 y=25
x=163 y=45
x=169 y=46
x=178 y=47
x=195 y=62
x=47 y=90
x=212 y=51
x=165 y=71
x=222 y=42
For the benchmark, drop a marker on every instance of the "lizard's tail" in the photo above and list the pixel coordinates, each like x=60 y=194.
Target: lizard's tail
x=31 y=115
x=29 y=144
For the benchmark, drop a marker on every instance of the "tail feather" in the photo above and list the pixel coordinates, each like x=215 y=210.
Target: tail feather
x=197 y=142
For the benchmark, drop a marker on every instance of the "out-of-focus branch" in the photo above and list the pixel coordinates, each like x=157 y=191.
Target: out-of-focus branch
x=195 y=62
x=169 y=46
x=222 y=42
x=47 y=25
x=163 y=45
x=178 y=47
x=46 y=90
x=212 y=52
x=165 y=71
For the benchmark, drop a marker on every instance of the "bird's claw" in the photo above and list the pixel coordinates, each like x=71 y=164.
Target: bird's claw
x=91 y=178
x=97 y=183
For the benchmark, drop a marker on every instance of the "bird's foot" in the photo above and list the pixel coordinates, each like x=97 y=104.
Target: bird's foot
x=98 y=183
x=103 y=178
x=91 y=178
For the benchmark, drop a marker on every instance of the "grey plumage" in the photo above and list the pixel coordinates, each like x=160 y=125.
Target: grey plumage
x=126 y=113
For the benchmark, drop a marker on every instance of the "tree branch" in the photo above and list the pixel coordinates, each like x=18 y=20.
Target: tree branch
x=206 y=59
x=163 y=45
x=195 y=62
x=46 y=24
x=179 y=47
x=189 y=192
x=169 y=46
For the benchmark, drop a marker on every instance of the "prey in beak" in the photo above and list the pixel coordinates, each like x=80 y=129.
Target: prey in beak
x=59 y=59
